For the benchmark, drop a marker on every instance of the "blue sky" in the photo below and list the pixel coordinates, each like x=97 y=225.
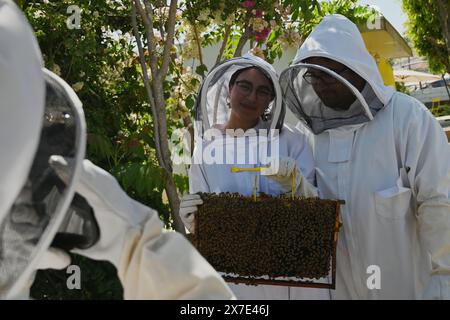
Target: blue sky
x=392 y=10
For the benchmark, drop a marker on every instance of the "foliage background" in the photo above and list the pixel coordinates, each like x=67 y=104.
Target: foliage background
x=428 y=27
x=100 y=61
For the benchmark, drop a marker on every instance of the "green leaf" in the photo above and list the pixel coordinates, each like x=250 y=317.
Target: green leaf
x=190 y=101
x=100 y=145
x=182 y=183
x=201 y=69
x=194 y=82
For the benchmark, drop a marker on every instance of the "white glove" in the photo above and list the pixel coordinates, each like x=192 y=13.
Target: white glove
x=116 y=213
x=438 y=288
x=434 y=226
x=188 y=208
x=281 y=171
x=54 y=259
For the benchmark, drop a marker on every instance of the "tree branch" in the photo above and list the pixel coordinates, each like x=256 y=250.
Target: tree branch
x=158 y=102
x=444 y=17
x=241 y=43
x=224 y=43
x=244 y=37
x=147 y=18
x=146 y=81
x=199 y=47
x=169 y=40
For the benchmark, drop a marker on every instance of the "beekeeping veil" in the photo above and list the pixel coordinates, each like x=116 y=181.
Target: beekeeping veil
x=211 y=105
x=40 y=117
x=338 y=39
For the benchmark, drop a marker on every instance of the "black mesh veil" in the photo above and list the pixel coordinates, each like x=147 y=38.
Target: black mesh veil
x=29 y=227
x=313 y=93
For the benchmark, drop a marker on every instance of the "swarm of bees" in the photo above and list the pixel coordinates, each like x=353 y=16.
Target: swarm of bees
x=271 y=237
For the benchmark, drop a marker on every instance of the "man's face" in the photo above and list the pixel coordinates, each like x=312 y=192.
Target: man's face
x=331 y=91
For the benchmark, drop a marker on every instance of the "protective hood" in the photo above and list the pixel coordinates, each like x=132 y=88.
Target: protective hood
x=40 y=118
x=339 y=39
x=211 y=105
x=336 y=38
x=21 y=101
x=39 y=209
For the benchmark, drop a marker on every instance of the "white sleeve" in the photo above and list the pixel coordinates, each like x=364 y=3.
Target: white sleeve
x=161 y=264
x=300 y=148
x=425 y=154
x=197 y=176
x=197 y=179
x=152 y=263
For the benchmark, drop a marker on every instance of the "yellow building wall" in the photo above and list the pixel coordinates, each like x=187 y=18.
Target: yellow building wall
x=382 y=46
x=387 y=73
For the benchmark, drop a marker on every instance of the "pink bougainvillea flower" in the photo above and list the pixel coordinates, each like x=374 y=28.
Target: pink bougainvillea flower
x=258 y=13
x=248 y=4
x=265 y=32
x=259 y=37
x=262 y=36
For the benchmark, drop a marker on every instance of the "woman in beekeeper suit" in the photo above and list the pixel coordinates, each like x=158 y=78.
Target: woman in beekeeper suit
x=239 y=105
x=383 y=153
x=42 y=142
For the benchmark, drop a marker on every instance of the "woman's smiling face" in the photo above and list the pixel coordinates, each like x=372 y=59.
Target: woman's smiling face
x=250 y=95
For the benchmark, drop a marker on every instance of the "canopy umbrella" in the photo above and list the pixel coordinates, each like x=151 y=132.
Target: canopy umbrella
x=404 y=75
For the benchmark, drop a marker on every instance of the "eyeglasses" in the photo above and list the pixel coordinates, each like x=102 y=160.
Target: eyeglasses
x=245 y=88
x=313 y=77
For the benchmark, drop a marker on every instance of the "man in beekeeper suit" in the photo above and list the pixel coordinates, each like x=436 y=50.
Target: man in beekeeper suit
x=384 y=154
x=42 y=167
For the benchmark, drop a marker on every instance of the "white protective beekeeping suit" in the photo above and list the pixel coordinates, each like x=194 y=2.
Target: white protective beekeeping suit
x=217 y=177
x=42 y=143
x=388 y=158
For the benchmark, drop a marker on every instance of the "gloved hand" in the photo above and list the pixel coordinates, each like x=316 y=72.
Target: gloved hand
x=116 y=213
x=54 y=259
x=434 y=227
x=188 y=208
x=281 y=171
x=438 y=288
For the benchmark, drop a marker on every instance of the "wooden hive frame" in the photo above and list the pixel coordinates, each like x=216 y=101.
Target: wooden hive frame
x=299 y=282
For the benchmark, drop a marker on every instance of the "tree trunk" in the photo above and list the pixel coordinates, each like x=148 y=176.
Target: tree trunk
x=244 y=37
x=155 y=92
x=224 y=44
x=166 y=162
x=174 y=202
